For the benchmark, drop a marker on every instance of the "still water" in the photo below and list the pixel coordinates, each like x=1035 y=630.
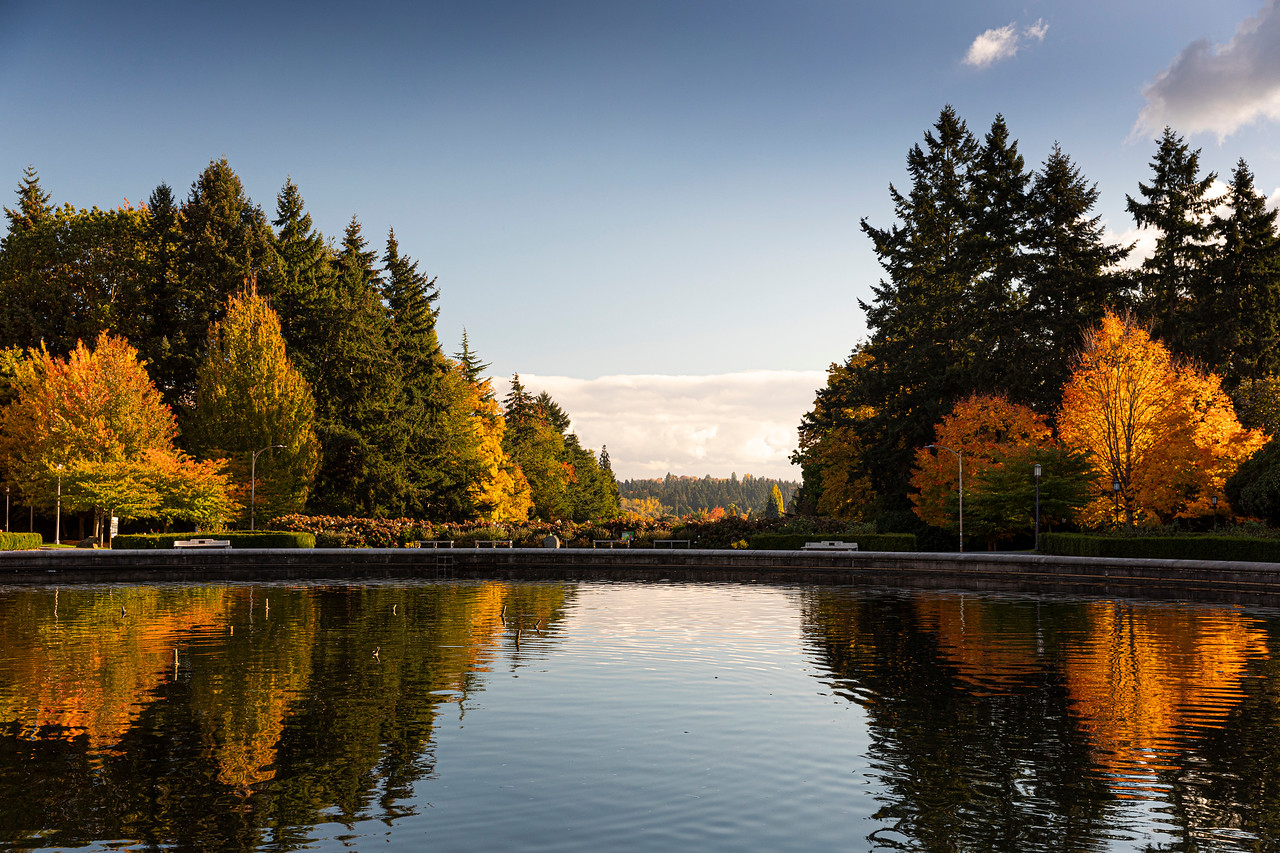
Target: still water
x=496 y=716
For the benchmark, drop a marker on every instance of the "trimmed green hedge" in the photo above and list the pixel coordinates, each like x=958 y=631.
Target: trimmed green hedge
x=866 y=541
x=1162 y=547
x=20 y=541
x=256 y=539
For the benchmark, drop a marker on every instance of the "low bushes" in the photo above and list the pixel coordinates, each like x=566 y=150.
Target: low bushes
x=1162 y=547
x=20 y=541
x=255 y=539
x=866 y=541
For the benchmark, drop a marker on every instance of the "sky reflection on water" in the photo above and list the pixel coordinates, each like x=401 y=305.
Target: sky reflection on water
x=648 y=717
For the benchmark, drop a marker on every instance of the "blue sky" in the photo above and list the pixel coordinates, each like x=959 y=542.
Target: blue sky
x=609 y=191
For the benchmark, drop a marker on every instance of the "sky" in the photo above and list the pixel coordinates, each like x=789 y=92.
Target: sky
x=651 y=209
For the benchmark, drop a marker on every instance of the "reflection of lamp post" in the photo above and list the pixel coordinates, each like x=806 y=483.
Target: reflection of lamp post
x=1037 y=506
x=57 y=525
x=253 y=482
x=1214 y=500
x=1115 y=490
x=959 y=455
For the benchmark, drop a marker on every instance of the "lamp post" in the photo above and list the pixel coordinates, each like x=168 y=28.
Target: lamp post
x=6 y=509
x=1214 y=500
x=959 y=455
x=1037 y=469
x=57 y=524
x=253 y=482
x=1115 y=491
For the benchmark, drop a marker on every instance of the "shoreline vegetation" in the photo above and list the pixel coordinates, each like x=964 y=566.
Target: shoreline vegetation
x=193 y=363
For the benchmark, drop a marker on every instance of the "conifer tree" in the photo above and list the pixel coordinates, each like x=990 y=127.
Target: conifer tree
x=1236 y=320
x=773 y=507
x=225 y=242
x=33 y=203
x=1176 y=204
x=472 y=366
x=303 y=287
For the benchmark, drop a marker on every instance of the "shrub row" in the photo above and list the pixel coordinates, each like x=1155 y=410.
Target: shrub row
x=20 y=541
x=255 y=539
x=866 y=541
x=1162 y=547
x=701 y=531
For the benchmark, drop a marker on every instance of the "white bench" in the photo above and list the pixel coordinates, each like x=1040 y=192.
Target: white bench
x=493 y=543
x=610 y=543
x=830 y=545
x=435 y=543
x=202 y=543
x=671 y=543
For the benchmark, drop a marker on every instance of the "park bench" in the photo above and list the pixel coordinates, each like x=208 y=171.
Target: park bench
x=610 y=543
x=671 y=543
x=493 y=543
x=830 y=545
x=202 y=543
x=435 y=543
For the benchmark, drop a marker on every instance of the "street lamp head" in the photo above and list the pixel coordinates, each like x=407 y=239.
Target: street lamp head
x=1037 y=469
x=1115 y=485
x=1214 y=500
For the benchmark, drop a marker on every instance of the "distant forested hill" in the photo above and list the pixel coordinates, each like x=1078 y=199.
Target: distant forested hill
x=689 y=494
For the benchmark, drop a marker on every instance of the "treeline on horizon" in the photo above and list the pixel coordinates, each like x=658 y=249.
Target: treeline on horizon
x=683 y=495
x=400 y=428
x=994 y=276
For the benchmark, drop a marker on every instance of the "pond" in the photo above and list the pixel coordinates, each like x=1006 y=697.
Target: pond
x=581 y=716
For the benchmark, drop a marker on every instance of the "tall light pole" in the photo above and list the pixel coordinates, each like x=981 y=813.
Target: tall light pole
x=57 y=524
x=1214 y=500
x=1037 y=506
x=253 y=482
x=959 y=455
x=6 y=509
x=1115 y=490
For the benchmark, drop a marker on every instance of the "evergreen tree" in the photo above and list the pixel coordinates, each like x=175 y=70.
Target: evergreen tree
x=1176 y=204
x=773 y=508
x=358 y=396
x=225 y=243
x=33 y=203
x=1237 y=319
x=472 y=366
x=1069 y=276
x=304 y=290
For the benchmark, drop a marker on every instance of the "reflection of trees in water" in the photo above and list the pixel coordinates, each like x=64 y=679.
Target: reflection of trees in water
x=280 y=716
x=1007 y=724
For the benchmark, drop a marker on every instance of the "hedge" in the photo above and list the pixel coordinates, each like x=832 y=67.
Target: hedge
x=866 y=541
x=1162 y=547
x=256 y=539
x=20 y=541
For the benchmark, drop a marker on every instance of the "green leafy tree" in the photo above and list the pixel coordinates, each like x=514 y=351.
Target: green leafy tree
x=773 y=508
x=1000 y=502
x=249 y=397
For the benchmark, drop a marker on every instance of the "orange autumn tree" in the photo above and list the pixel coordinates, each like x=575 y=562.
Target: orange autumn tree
x=986 y=430
x=1166 y=434
x=95 y=422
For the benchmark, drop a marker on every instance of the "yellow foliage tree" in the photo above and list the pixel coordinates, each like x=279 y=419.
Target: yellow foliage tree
x=984 y=429
x=1165 y=434
x=501 y=492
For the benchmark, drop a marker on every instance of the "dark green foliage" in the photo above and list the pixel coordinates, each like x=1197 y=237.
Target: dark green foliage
x=1176 y=204
x=684 y=495
x=224 y=243
x=866 y=541
x=472 y=366
x=255 y=539
x=1235 y=318
x=1254 y=489
x=1002 y=502
x=566 y=480
x=1162 y=547
x=20 y=541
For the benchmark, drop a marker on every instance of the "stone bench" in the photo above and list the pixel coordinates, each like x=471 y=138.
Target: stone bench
x=610 y=543
x=493 y=543
x=434 y=543
x=671 y=543
x=830 y=545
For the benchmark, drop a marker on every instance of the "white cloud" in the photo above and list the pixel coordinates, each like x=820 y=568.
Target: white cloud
x=688 y=425
x=1144 y=239
x=1003 y=43
x=1219 y=88
x=1273 y=200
